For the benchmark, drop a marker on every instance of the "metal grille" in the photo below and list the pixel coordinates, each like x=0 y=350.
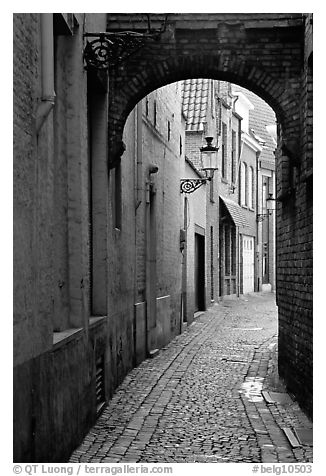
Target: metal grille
x=100 y=387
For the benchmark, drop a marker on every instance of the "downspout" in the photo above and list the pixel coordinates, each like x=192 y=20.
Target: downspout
x=240 y=144
x=150 y=237
x=258 y=253
x=47 y=70
x=139 y=155
x=138 y=148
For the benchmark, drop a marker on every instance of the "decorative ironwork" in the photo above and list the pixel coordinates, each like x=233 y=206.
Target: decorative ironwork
x=190 y=185
x=262 y=216
x=112 y=48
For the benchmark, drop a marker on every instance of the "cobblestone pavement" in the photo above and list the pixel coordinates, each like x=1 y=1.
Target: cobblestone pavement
x=200 y=399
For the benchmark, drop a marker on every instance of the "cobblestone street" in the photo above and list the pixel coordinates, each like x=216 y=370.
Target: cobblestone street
x=211 y=395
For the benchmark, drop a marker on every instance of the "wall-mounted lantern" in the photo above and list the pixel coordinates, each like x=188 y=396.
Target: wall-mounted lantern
x=270 y=206
x=270 y=202
x=209 y=163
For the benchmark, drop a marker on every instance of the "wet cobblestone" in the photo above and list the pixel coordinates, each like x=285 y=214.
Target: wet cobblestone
x=200 y=400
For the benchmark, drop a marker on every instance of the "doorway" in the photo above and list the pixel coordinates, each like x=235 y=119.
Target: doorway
x=248 y=260
x=199 y=272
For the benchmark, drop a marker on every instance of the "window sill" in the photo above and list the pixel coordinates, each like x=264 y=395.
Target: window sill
x=61 y=338
x=96 y=320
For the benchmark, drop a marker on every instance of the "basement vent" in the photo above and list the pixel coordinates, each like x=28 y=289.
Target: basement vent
x=100 y=387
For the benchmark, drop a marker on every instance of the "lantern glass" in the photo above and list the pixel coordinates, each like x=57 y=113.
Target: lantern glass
x=270 y=202
x=209 y=157
x=209 y=160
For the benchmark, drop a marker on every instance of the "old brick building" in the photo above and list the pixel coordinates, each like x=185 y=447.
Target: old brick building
x=79 y=288
x=259 y=133
x=235 y=255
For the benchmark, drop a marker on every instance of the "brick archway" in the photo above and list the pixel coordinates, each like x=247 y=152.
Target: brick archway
x=261 y=52
x=222 y=67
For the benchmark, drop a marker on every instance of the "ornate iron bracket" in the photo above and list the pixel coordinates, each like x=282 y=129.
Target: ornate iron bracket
x=112 y=48
x=190 y=185
x=262 y=216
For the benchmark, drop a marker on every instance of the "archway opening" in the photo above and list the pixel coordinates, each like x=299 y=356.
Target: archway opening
x=218 y=241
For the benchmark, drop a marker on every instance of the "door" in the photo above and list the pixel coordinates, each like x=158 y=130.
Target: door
x=199 y=272
x=248 y=259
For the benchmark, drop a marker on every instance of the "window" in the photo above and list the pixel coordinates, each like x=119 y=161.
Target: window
x=264 y=192
x=155 y=114
x=180 y=145
x=224 y=150
x=250 y=187
x=243 y=184
x=253 y=190
x=147 y=106
x=234 y=157
x=169 y=130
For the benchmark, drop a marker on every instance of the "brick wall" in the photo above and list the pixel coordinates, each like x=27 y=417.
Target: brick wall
x=154 y=136
x=51 y=248
x=33 y=200
x=164 y=146
x=294 y=253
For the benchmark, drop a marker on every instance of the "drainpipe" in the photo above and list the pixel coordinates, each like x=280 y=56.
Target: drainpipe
x=150 y=236
x=139 y=154
x=258 y=252
x=138 y=200
x=47 y=70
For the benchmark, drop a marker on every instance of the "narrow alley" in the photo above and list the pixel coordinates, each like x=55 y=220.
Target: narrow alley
x=211 y=395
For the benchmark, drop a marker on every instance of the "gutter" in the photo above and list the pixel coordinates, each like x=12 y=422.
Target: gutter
x=47 y=71
x=139 y=154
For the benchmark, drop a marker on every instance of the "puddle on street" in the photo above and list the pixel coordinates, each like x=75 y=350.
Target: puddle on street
x=252 y=388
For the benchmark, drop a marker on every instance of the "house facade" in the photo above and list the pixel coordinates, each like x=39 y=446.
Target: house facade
x=238 y=248
x=259 y=137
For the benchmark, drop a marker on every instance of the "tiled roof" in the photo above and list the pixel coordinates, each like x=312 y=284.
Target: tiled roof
x=261 y=116
x=235 y=211
x=195 y=103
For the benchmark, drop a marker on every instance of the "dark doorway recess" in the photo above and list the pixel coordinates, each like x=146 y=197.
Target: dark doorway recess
x=199 y=272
